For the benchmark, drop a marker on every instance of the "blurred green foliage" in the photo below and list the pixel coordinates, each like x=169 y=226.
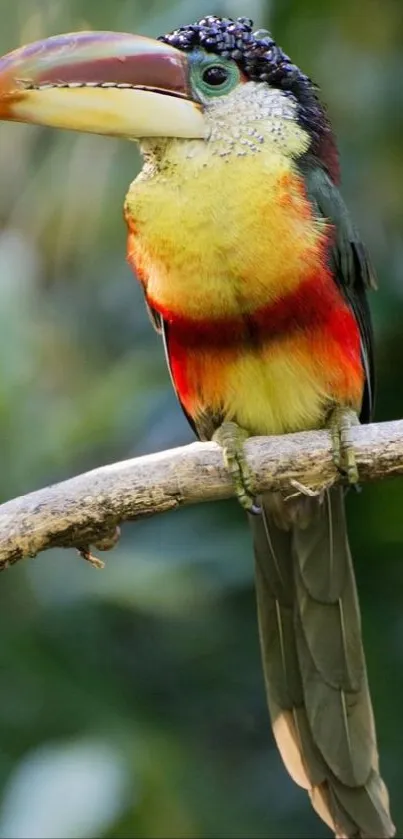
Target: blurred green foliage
x=131 y=701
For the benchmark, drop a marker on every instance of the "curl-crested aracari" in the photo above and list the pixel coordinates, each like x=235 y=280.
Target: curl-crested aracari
x=256 y=278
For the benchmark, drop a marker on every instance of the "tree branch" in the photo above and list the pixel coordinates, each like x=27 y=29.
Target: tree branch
x=87 y=509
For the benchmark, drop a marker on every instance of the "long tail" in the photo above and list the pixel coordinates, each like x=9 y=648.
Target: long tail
x=314 y=664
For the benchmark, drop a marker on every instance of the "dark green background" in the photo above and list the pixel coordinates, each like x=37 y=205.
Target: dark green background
x=131 y=700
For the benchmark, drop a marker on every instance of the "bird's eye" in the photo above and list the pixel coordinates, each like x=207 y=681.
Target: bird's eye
x=215 y=75
x=212 y=76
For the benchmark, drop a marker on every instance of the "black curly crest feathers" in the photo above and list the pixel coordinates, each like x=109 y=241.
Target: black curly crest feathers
x=262 y=60
x=256 y=52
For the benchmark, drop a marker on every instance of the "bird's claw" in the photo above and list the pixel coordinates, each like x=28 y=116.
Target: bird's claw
x=231 y=438
x=341 y=421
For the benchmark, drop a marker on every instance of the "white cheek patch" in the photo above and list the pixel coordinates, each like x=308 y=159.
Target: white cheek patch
x=252 y=116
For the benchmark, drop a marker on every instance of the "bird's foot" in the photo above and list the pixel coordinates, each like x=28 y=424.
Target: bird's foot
x=231 y=438
x=340 y=423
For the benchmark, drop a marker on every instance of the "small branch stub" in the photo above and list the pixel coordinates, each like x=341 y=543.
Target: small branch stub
x=86 y=510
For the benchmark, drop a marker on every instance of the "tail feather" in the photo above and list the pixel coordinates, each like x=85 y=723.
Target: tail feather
x=328 y=635
x=367 y=805
x=323 y=803
x=287 y=735
x=314 y=664
x=327 y=596
x=324 y=574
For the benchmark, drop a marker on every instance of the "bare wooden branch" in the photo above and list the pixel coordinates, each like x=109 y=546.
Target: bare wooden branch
x=87 y=509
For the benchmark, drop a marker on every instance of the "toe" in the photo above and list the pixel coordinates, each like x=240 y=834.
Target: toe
x=231 y=437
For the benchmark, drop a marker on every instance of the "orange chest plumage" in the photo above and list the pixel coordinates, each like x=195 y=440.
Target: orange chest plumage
x=257 y=329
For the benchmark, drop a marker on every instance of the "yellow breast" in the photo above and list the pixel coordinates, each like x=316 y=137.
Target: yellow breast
x=221 y=236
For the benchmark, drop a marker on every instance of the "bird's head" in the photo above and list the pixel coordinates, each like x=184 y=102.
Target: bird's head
x=215 y=81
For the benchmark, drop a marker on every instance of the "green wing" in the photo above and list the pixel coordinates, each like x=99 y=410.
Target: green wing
x=352 y=270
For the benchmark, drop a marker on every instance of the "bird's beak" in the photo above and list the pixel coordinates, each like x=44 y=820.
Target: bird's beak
x=103 y=83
